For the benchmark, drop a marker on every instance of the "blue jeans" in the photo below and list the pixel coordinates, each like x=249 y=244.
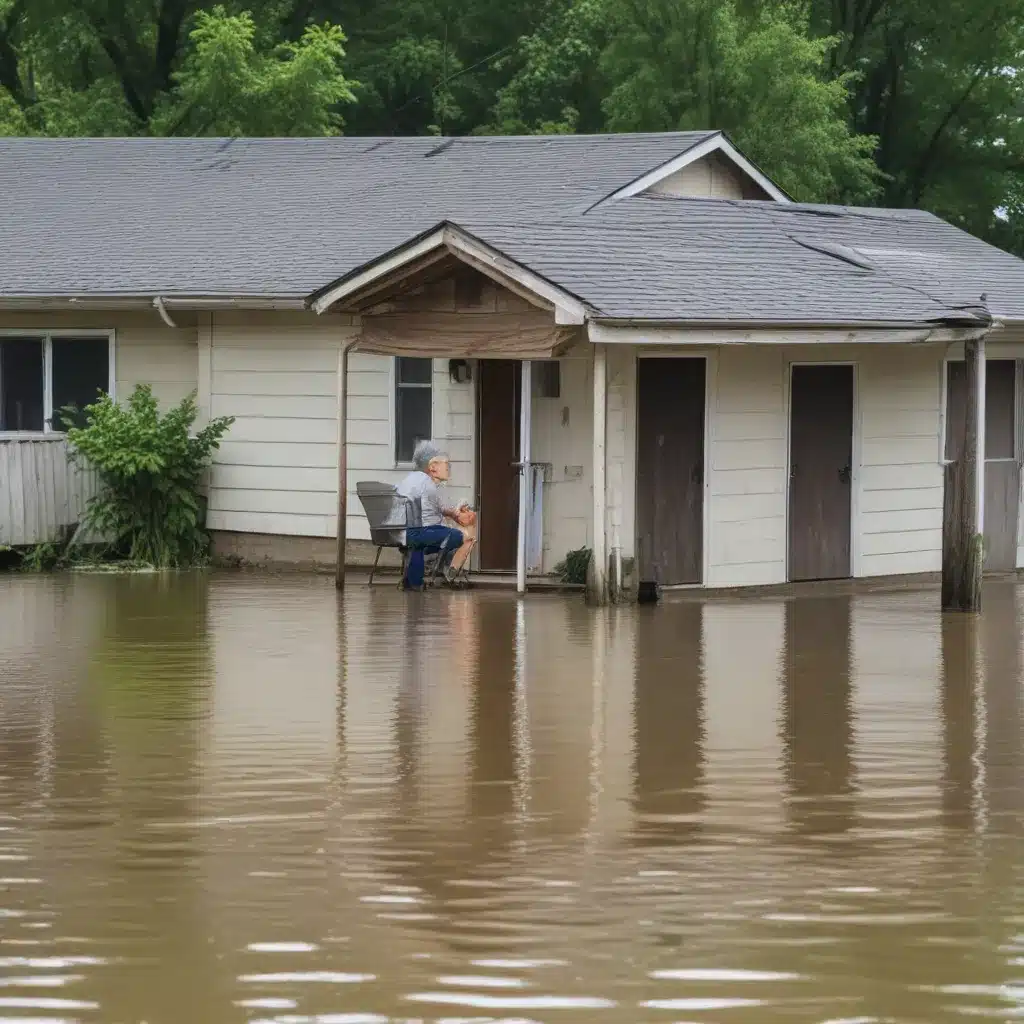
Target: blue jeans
x=426 y=540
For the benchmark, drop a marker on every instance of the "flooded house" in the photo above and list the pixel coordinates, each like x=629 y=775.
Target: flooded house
x=634 y=343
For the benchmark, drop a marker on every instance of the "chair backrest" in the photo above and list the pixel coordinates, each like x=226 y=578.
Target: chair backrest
x=387 y=512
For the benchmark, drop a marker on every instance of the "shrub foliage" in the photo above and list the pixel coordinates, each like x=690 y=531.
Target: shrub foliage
x=150 y=468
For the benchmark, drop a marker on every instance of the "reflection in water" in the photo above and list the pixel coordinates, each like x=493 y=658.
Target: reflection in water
x=817 y=722
x=960 y=681
x=669 y=723
x=241 y=798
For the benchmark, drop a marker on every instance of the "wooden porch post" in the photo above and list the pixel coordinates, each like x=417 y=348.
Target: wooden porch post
x=339 y=566
x=525 y=476
x=964 y=515
x=597 y=583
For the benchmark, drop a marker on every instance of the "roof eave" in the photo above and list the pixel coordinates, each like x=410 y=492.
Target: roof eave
x=448 y=237
x=102 y=301
x=832 y=325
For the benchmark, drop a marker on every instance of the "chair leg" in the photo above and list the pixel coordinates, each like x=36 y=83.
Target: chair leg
x=439 y=561
x=374 y=569
x=405 y=566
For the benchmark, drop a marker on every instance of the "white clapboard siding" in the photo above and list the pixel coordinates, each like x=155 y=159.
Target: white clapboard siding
x=41 y=492
x=276 y=471
x=747 y=456
x=562 y=432
x=898 y=508
x=273 y=500
x=709 y=176
x=165 y=358
x=899 y=527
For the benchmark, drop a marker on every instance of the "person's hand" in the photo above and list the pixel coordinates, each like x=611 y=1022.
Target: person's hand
x=465 y=516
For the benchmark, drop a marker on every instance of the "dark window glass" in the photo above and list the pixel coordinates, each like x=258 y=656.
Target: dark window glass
x=412 y=405
x=412 y=409
x=81 y=372
x=547 y=378
x=21 y=384
x=1000 y=407
x=414 y=371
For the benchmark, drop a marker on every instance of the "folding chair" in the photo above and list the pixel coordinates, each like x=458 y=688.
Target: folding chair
x=389 y=515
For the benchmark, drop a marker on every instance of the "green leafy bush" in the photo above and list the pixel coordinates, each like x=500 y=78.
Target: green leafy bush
x=41 y=558
x=573 y=568
x=150 y=468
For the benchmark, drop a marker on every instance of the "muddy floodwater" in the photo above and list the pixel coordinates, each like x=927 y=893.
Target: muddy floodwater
x=240 y=798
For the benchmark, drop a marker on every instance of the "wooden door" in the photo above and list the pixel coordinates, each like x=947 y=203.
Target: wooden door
x=820 y=471
x=498 y=418
x=1002 y=470
x=670 y=469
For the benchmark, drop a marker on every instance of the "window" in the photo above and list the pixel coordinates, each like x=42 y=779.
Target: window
x=547 y=378
x=1000 y=407
x=413 y=396
x=42 y=375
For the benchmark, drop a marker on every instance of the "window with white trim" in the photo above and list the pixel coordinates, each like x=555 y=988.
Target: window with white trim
x=413 y=399
x=43 y=374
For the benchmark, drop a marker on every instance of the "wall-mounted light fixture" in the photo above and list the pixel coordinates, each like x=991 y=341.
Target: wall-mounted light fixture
x=459 y=371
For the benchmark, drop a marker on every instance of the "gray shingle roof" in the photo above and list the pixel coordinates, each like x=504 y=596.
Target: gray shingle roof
x=283 y=217
x=730 y=260
x=275 y=216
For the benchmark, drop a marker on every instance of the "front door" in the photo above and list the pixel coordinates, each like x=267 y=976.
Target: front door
x=820 y=471
x=498 y=418
x=670 y=469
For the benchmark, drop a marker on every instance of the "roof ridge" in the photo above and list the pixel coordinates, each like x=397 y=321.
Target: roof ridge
x=437 y=140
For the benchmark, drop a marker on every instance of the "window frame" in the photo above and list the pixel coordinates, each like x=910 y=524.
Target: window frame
x=46 y=337
x=396 y=386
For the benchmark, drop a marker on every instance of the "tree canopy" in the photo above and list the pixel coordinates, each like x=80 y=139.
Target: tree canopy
x=898 y=102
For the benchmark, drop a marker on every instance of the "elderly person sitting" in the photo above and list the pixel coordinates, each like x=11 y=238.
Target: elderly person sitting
x=432 y=468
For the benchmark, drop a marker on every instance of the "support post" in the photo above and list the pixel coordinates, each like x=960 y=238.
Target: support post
x=964 y=513
x=339 y=566
x=525 y=477
x=597 y=581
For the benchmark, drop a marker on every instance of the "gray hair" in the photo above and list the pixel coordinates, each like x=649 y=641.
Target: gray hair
x=425 y=453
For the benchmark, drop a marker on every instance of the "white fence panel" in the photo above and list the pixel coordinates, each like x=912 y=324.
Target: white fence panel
x=41 y=491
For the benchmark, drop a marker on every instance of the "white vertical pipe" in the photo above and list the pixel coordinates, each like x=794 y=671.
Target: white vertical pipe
x=525 y=414
x=599 y=559
x=339 y=554
x=979 y=480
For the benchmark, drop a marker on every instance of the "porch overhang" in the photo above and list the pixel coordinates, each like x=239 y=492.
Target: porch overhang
x=375 y=290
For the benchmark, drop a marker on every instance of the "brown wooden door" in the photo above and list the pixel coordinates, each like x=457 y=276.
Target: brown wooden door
x=498 y=405
x=670 y=469
x=820 y=472
x=1002 y=469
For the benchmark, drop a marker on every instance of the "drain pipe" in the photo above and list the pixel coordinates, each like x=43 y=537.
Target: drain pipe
x=158 y=304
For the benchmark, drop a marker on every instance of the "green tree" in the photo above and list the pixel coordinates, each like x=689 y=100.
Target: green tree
x=760 y=78
x=121 y=68
x=666 y=65
x=903 y=102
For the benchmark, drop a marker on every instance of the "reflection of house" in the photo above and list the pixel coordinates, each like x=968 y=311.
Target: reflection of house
x=755 y=387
